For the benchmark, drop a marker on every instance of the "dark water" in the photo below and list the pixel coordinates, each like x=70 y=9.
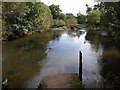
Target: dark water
x=22 y=58
x=25 y=62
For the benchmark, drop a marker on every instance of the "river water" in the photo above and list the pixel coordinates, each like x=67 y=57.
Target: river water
x=26 y=64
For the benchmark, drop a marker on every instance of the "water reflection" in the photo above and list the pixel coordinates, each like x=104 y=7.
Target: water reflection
x=110 y=58
x=63 y=58
x=21 y=58
x=25 y=55
x=110 y=68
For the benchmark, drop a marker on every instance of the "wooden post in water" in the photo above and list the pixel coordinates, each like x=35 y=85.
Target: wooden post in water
x=80 y=66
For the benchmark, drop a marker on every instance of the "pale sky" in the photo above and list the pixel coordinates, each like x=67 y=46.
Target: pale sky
x=71 y=6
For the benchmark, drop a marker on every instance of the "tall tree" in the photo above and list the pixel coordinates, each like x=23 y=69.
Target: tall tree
x=55 y=11
x=111 y=19
x=12 y=13
x=71 y=21
x=22 y=17
x=81 y=18
x=94 y=17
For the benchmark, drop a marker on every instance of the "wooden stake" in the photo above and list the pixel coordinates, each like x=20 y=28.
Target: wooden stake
x=80 y=65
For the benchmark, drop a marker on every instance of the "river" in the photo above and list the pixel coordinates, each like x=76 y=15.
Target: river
x=25 y=62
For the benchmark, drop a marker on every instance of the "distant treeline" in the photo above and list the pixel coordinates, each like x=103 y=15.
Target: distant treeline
x=20 y=18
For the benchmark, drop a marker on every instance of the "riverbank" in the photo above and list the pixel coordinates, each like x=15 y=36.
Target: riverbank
x=66 y=80
x=8 y=37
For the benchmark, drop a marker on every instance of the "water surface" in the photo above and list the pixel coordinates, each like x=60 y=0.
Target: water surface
x=63 y=57
x=27 y=60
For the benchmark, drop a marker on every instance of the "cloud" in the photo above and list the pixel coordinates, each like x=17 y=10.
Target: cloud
x=71 y=6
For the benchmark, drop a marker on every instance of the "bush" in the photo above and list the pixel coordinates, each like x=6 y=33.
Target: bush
x=94 y=17
x=71 y=21
x=59 y=23
x=24 y=17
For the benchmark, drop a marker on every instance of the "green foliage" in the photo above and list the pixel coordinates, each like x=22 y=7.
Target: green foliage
x=71 y=20
x=110 y=19
x=81 y=18
x=89 y=9
x=61 y=19
x=69 y=15
x=55 y=11
x=110 y=12
x=11 y=14
x=111 y=55
x=62 y=16
x=47 y=20
x=4 y=26
x=13 y=10
x=111 y=61
x=109 y=15
x=94 y=17
x=59 y=22
x=23 y=17
x=35 y=13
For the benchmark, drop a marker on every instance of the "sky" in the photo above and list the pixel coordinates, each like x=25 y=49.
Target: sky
x=71 y=6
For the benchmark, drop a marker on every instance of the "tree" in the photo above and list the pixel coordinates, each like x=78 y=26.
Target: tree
x=55 y=11
x=94 y=17
x=71 y=21
x=69 y=15
x=62 y=16
x=23 y=17
x=47 y=20
x=59 y=22
x=109 y=13
x=88 y=8
x=110 y=19
x=81 y=18
x=11 y=14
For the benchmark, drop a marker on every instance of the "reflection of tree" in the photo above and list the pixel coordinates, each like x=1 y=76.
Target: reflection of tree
x=79 y=33
x=110 y=69
x=29 y=44
x=76 y=33
x=22 y=57
x=72 y=33
x=108 y=42
x=110 y=58
x=94 y=38
x=56 y=34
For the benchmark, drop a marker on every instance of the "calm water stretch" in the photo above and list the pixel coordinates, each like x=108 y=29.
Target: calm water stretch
x=27 y=60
